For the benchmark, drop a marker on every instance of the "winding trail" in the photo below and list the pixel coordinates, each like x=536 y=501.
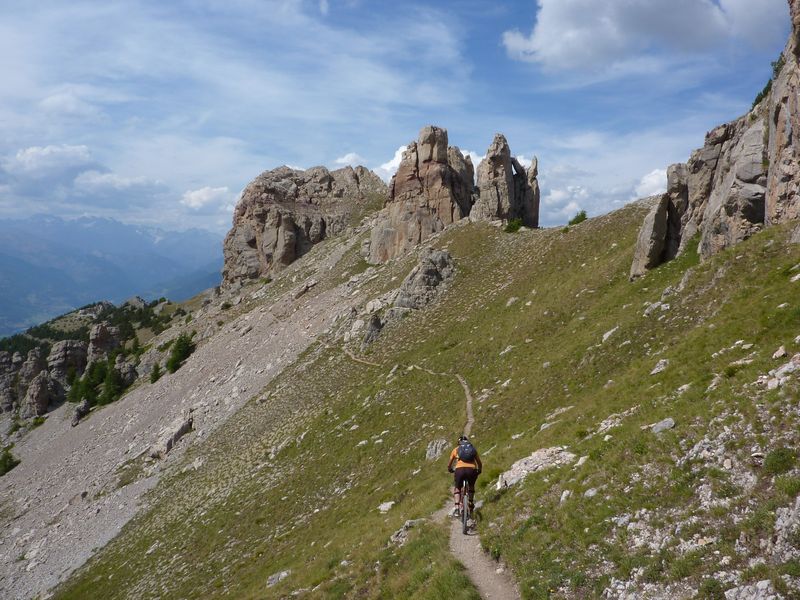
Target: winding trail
x=491 y=580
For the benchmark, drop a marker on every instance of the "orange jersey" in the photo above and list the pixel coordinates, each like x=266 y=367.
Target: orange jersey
x=463 y=464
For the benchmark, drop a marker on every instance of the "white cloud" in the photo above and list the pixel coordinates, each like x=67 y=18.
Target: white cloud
x=389 y=168
x=42 y=161
x=351 y=158
x=655 y=182
x=206 y=196
x=623 y=36
x=324 y=7
x=94 y=182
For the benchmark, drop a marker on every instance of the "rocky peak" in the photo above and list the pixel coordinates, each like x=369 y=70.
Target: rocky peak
x=283 y=212
x=103 y=339
x=505 y=189
x=431 y=189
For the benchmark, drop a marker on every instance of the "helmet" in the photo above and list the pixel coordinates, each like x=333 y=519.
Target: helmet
x=463 y=438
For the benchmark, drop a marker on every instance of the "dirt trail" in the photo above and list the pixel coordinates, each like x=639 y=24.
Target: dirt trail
x=482 y=570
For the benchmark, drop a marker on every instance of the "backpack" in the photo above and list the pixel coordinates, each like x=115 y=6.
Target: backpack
x=466 y=451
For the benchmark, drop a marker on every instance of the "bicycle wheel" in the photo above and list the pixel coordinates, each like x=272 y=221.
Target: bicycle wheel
x=464 y=509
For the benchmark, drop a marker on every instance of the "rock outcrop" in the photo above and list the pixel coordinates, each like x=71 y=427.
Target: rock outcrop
x=746 y=176
x=282 y=213
x=67 y=356
x=431 y=189
x=505 y=189
x=41 y=392
x=103 y=339
x=435 y=187
x=8 y=395
x=425 y=280
x=28 y=370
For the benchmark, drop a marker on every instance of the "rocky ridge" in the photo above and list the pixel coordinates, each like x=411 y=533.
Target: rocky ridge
x=282 y=213
x=743 y=179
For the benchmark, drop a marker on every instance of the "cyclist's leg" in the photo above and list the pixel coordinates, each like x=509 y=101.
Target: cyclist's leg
x=471 y=483
x=458 y=478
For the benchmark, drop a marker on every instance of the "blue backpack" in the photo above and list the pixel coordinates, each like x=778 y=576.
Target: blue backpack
x=466 y=451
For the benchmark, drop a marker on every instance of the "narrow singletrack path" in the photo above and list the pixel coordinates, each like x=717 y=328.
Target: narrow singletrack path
x=491 y=581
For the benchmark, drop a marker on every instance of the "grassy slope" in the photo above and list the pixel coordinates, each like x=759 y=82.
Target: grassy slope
x=311 y=506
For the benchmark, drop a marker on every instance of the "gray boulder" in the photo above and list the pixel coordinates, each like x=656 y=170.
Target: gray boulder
x=81 y=410
x=652 y=240
x=126 y=370
x=435 y=449
x=426 y=280
x=374 y=327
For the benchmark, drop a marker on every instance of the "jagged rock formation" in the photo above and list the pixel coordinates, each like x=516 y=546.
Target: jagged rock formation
x=33 y=365
x=282 y=213
x=103 y=339
x=64 y=357
x=505 y=190
x=744 y=178
x=434 y=187
x=40 y=393
x=431 y=189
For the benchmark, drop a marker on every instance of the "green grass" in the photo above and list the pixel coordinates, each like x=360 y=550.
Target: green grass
x=250 y=511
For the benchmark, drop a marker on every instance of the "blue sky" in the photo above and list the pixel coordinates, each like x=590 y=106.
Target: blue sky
x=161 y=112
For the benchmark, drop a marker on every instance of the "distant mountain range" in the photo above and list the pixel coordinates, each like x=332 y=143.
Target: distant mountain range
x=50 y=265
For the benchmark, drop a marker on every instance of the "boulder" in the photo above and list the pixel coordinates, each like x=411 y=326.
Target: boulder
x=81 y=410
x=652 y=240
x=103 y=339
x=431 y=189
x=374 y=327
x=426 y=280
x=544 y=458
x=170 y=435
x=41 y=392
x=663 y=425
x=282 y=213
x=505 y=189
x=400 y=537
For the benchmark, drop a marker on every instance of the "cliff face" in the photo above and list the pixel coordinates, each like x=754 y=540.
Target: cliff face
x=284 y=212
x=744 y=178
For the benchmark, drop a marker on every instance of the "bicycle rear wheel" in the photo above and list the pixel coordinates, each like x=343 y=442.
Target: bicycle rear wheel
x=464 y=509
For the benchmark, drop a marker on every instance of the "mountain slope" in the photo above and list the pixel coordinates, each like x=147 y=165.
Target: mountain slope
x=286 y=484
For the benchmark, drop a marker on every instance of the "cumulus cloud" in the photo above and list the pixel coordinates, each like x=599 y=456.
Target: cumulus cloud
x=389 y=168
x=44 y=161
x=351 y=158
x=205 y=196
x=620 y=36
x=655 y=182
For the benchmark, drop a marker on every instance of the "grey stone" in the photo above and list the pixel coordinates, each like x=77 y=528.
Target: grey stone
x=426 y=280
x=40 y=393
x=276 y=578
x=663 y=425
x=81 y=410
x=103 y=339
x=435 y=449
x=652 y=238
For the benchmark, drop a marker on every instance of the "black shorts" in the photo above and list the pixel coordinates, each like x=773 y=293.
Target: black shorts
x=467 y=474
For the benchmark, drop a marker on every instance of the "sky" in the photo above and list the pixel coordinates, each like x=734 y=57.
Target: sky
x=160 y=113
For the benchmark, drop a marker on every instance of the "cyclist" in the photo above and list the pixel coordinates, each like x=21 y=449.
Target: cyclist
x=467 y=468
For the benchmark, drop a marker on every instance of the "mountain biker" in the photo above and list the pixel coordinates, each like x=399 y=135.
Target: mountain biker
x=467 y=468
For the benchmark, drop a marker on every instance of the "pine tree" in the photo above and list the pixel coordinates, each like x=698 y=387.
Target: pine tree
x=155 y=374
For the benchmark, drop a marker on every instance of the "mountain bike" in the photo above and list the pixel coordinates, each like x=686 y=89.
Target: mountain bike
x=466 y=513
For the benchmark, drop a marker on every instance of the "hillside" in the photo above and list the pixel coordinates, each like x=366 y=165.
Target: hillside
x=285 y=483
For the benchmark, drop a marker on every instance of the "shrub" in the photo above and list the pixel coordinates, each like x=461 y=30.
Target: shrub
x=711 y=589
x=155 y=374
x=181 y=350
x=513 y=225
x=579 y=218
x=112 y=387
x=779 y=461
x=226 y=305
x=7 y=460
